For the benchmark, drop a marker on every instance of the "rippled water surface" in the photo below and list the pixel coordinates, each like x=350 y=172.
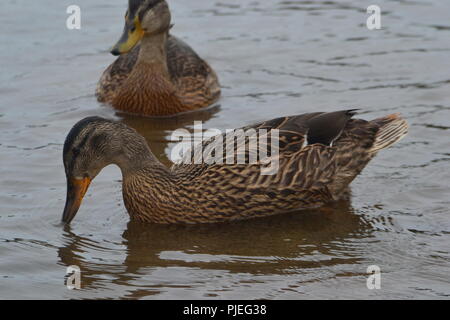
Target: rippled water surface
x=273 y=58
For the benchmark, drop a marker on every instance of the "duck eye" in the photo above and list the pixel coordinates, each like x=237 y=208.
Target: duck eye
x=133 y=28
x=75 y=152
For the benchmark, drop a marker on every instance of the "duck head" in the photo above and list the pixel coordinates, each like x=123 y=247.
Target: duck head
x=143 y=17
x=92 y=144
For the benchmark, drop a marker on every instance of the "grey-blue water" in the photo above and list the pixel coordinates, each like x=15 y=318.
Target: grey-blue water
x=273 y=58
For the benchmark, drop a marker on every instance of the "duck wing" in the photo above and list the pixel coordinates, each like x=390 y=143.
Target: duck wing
x=282 y=140
x=195 y=80
x=293 y=133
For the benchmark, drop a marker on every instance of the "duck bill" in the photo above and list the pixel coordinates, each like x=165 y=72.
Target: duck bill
x=132 y=33
x=76 y=189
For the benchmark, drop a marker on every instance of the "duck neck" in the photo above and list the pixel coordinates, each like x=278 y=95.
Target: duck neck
x=136 y=157
x=147 y=184
x=154 y=51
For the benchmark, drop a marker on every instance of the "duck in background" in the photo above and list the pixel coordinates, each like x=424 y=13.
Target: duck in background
x=156 y=74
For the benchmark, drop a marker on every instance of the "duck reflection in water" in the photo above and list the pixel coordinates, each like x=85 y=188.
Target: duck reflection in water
x=276 y=245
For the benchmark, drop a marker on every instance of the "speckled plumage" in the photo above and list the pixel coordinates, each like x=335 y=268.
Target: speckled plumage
x=309 y=175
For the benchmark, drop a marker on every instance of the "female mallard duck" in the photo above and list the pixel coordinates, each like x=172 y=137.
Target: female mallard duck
x=319 y=154
x=162 y=75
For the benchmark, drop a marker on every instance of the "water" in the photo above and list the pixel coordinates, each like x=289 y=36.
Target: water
x=273 y=58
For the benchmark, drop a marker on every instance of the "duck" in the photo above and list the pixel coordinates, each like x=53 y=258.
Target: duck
x=156 y=74
x=317 y=154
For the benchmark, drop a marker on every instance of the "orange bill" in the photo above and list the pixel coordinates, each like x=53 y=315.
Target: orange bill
x=76 y=189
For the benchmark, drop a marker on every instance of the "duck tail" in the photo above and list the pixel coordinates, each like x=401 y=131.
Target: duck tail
x=392 y=128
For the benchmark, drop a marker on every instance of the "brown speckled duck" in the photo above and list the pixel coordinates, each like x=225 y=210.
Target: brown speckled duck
x=319 y=155
x=156 y=74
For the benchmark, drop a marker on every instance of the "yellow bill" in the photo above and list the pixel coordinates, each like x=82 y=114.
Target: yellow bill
x=132 y=33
